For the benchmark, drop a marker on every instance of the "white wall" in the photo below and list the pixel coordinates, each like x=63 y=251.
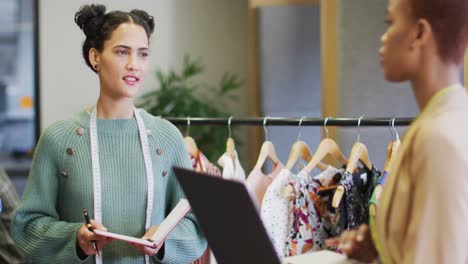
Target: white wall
x=290 y=72
x=215 y=30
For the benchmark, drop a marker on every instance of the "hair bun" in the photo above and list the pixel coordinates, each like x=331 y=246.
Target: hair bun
x=146 y=17
x=89 y=17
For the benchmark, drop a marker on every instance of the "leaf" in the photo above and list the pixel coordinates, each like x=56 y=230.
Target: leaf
x=192 y=68
x=229 y=82
x=179 y=95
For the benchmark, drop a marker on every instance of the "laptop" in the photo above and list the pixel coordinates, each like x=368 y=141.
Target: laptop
x=231 y=223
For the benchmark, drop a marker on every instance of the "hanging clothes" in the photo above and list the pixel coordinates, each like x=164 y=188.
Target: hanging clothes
x=232 y=169
x=203 y=165
x=354 y=207
x=330 y=216
x=258 y=182
x=275 y=211
x=310 y=212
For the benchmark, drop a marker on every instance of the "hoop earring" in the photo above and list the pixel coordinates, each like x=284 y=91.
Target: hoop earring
x=96 y=67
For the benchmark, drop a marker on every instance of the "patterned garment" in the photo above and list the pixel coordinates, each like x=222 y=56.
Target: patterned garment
x=202 y=164
x=275 y=212
x=354 y=207
x=330 y=216
x=9 y=253
x=311 y=216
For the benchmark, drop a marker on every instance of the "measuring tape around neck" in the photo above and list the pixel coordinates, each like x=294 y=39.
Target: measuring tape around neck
x=97 y=170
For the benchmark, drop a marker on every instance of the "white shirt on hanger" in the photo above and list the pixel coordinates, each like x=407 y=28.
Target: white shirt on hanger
x=232 y=169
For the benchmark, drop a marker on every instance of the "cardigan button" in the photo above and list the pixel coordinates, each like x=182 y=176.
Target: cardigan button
x=164 y=173
x=148 y=132
x=80 y=131
x=63 y=173
x=70 y=151
x=159 y=151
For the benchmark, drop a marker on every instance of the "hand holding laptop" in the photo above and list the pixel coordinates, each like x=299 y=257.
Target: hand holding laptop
x=225 y=209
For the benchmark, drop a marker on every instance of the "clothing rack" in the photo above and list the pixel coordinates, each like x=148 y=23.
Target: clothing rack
x=281 y=121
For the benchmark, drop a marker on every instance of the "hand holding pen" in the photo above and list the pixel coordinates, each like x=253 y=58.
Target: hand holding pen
x=91 y=229
x=87 y=240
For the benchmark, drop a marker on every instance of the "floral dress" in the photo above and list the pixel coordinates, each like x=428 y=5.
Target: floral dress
x=313 y=219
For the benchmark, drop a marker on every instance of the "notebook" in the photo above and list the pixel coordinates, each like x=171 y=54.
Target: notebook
x=159 y=234
x=231 y=223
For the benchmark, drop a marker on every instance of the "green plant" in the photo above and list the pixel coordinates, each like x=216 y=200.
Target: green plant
x=180 y=95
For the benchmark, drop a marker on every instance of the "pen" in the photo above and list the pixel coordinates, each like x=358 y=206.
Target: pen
x=90 y=228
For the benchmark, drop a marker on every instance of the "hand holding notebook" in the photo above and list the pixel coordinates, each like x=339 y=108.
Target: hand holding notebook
x=157 y=234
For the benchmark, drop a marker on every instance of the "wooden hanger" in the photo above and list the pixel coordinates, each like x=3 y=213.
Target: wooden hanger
x=230 y=144
x=267 y=151
x=191 y=146
x=326 y=147
x=395 y=147
x=392 y=149
x=300 y=150
x=358 y=154
x=190 y=142
x=395 y=144
x=388 y=157
x=395 y=137
x=231 y=148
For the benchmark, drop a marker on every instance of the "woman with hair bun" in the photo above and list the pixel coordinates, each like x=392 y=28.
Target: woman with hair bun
x=113 y=159
x=423 y=211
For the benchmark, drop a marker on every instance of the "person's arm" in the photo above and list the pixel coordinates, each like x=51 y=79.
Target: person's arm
x=37 y=229
x=441 y=195
x=9 y=253
x=356 y=244
x=185 y=243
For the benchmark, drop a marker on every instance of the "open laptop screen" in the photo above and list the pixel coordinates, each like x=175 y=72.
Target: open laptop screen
x=228 y=218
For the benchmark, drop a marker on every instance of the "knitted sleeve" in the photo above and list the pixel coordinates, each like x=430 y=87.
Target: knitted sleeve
x=37 y=228
x=185 y=243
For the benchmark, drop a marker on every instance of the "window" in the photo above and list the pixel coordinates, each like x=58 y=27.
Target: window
x=18 y=82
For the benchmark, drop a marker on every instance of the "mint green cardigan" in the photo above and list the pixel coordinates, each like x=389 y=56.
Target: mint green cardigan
x=60 y=185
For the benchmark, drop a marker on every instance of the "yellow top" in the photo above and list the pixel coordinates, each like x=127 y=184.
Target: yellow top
x=423 y=209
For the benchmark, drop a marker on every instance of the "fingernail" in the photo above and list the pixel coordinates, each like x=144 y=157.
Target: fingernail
x=345 y=246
